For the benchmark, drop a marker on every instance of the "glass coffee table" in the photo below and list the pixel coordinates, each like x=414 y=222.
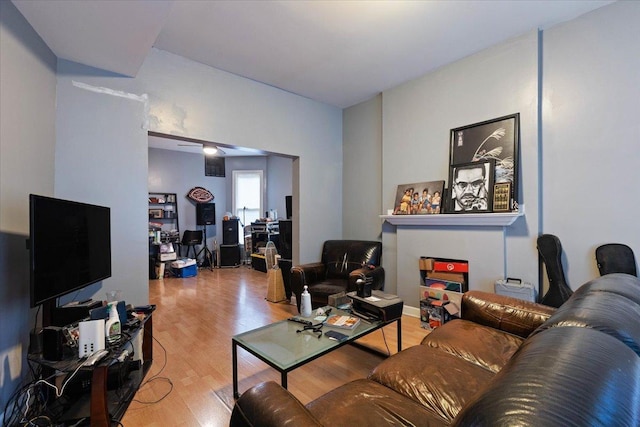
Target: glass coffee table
x=280 y=346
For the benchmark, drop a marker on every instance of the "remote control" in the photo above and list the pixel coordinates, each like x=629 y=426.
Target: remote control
x=299 y=319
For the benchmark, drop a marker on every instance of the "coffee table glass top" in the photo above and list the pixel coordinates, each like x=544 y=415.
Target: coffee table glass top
x=282 y=346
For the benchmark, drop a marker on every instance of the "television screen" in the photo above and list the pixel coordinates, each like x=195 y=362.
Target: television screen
x=70 y=246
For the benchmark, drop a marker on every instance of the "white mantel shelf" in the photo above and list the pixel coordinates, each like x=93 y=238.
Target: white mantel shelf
x=471 y=219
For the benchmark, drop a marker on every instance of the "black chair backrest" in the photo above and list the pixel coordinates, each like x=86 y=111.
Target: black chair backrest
x=192 y=237
x=615 y=258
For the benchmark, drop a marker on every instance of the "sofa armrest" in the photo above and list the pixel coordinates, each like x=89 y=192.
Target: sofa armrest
x=373 y=274
x=268 y=404
x=512 y=315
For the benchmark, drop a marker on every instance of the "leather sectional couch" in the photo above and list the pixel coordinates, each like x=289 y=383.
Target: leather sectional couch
x=507 y=362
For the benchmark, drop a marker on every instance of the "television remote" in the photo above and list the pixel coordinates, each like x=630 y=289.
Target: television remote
x=299 y=319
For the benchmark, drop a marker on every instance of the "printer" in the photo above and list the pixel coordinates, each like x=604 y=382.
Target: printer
x=378 y=306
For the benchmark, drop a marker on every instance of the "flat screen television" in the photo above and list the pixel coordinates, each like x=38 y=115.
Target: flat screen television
x=70 y=246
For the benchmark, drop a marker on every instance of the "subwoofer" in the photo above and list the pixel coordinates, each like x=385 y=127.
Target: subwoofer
x=205 y=213
x=230 y=232
x=229 y=255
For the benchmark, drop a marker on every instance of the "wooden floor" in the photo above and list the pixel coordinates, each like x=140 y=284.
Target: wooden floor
x=193 y=325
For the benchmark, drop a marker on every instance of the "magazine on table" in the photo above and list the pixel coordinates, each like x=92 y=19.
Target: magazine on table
x=343 y=322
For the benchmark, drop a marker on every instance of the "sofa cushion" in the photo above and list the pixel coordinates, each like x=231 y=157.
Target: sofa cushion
x=438 y=380
x=569 y=376
x=369 y=404
x=509 y=314
x=617 y=283
x=486 y=347
x=611 y=313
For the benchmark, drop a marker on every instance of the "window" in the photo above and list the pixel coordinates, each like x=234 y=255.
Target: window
x=247 y=197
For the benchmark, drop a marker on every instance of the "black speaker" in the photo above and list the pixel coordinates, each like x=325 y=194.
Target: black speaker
x=286 y=239
x=229 y=255
x=230 y=232
x=205 y=213
x=288 y=201
x=52 y=343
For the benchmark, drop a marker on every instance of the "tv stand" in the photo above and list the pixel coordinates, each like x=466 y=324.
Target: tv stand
x=100 y=405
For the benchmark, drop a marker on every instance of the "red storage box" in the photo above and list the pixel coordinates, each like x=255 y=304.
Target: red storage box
x=451 y=267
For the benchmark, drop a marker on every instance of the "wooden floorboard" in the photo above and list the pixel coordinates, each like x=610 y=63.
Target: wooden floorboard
x=192 y=369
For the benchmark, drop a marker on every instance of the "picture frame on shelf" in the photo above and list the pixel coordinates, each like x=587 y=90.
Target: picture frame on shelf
x=471 y=187
x=420 y=198
x=156 y=213
x=497 y=139
x=501 y=197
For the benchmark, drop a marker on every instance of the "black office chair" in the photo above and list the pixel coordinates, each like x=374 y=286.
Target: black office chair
x=190 y=239
x=615 y=258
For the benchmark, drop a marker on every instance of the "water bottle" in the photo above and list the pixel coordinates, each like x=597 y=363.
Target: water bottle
x=305 y=303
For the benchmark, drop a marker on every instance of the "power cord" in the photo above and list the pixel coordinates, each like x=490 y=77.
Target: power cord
x=157 y=377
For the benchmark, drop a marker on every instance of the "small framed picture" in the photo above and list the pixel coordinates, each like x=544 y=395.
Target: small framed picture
x=501 y=197
x=420 y=198
x=156 y=213
x=471 y=187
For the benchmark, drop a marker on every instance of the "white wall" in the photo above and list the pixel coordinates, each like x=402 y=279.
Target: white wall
x=591 y=135
x=416 y=119
x=192 y=100
x=362 y=170
x=101 y=158
x=577 y=88
x=27 y=144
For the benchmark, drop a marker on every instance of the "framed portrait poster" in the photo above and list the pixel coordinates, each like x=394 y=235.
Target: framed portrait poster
x=420 y=198
x=471 y=188
x=496 y=139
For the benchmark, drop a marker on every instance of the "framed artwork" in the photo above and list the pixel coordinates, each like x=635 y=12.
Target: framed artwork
x=420 y=198
x=471 y=188
x=496 y=139
x=501 y=196
x=156 y=213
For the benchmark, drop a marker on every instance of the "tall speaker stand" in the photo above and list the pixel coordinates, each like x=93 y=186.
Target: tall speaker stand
x=208 y=256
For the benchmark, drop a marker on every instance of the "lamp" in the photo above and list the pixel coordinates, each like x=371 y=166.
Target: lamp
x=210 y=150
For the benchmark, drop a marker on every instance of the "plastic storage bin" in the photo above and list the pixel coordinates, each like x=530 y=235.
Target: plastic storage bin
x=183 y=272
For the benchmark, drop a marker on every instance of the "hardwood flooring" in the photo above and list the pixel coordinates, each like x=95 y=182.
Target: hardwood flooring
x=190 y=381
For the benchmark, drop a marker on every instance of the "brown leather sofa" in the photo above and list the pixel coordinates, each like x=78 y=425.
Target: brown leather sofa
x=342 y=263
x=507 y=362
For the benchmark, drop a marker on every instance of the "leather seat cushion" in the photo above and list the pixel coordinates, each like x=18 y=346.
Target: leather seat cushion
x=328 y=287
x=434 y=378
x=486 y=347
x=367 y=403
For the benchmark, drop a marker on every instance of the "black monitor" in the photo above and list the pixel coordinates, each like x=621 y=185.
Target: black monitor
x=70 y=246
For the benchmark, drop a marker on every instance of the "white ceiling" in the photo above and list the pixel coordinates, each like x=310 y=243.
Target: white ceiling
x=337 y=52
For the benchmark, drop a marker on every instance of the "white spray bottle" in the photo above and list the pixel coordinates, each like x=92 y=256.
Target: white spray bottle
x=112 y=328
x=305 y=303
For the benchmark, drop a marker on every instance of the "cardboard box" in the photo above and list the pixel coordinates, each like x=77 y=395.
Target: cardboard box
x=451 y=277
x=433 y=313
x=426 y=263
x=451 y=267
x=454 y=298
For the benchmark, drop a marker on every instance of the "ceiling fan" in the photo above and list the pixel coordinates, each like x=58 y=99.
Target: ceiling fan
x=209 y=150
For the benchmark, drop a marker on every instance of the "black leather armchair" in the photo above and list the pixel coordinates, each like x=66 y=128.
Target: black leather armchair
x=342 y=263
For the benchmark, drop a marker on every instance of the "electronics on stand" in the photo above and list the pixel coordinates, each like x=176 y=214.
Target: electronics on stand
x=379 y=306
x=230 y=232
x=73 y=312
x=205 y=213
